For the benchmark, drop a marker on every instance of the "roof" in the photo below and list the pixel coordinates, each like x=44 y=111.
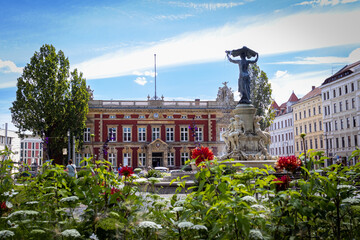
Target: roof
x=293 y=98
x=345 y=71
x=314 y=92
x=274 y=105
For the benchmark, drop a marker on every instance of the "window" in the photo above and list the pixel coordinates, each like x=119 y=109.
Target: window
x=198 y=117
x=311 y=144
x=127 y=116
x=305 y=129
x=321 y=143
x=156 y=115
x=349 y=141
x=353 y=103
x=334 y=93
x=340 y=106
x=341 y=124
x=325 y=111
x=309 y=127
x=171 y=159
x=112 y=134
x=337 y=142
x=155 y=133
x=184 y=157
x=183 y=134
x=343 y=142
x=347 y=123
x=316 y=143
x=314 y=126
x=304 y=114
x=295 y=116
x=296 y=131
x=169 y=134
x=297 y=146
x=300 y=129
x=354 y=121
x=324 y=96
x=320 y=126
x=127 y=159
x=327 y=95
x=336 y=127
x=355 y=140
x=112 y=159
x=340 y=91
x=314 y=111
x=87 y=135
x=142 y=134
x=199 y=134
x=222 y=130
x=112 y=116
x=142 y=159
x=319 y=109
x=309 y=112
x=77 y=159
x=127 y=134
x=346 y=105
x=328 y=110
x=183 y=116
x=169 y=117
x=352 y=87
x=334 y=107
x=141 y=116
x=299 y=115
x=346 y=89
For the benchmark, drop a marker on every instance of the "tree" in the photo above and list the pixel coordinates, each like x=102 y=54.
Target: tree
x=50 y=101
x=260 y=94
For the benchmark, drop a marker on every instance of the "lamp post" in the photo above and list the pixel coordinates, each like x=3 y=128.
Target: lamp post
x=69 y=146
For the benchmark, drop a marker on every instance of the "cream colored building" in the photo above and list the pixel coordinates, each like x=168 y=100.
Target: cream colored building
x=308 y=119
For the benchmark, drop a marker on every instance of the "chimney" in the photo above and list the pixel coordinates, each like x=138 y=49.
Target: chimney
x=312 y=88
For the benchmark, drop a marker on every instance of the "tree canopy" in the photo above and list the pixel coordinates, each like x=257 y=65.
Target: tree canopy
x=260 y=94
x=50 y=100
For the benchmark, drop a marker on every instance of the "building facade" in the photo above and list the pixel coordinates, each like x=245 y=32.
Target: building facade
x=341 y=113
x=31 y=150
x=155 y=132
x=308 y=119
x=282 y=128
x=12 y=141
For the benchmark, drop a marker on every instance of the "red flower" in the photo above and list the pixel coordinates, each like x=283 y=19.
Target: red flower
x=126 y=171
x=3 y=205
x=114 y=190
x=290 y=163
x=201 y=154
x=282 y=183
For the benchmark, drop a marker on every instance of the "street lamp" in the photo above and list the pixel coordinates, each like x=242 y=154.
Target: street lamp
x=68 y=152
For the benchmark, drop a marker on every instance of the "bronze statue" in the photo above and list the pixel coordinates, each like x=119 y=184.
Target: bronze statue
x=244 y=78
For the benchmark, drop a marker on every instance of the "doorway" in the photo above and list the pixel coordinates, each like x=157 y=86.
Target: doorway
x=157 y=159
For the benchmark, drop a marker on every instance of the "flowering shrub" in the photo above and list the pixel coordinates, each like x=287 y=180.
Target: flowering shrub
x=282 y=183
x=126 y=171
x=201 y=154
x=290 y=163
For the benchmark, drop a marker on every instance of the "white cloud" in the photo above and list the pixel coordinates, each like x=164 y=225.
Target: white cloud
x=208 y=6
x=141 y=81
x=145 y=73
x=354 y=56
x=322 y=3
x=9 y=67
x=284 y=83
x=313 y=30
x=174 y=17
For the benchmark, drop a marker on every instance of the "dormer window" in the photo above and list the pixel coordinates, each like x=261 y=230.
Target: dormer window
x=127 y=116
x=184 y=116
x=170 y=117
x=112 y=116
x=141 y=116
x=156 y=115
x=198 y=117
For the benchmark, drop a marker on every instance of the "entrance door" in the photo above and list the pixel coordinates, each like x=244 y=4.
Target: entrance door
x=157 y=159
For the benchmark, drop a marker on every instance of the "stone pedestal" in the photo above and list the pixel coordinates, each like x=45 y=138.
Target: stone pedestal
x=247 y=113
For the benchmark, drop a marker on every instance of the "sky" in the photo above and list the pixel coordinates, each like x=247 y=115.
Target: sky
x=113 y=42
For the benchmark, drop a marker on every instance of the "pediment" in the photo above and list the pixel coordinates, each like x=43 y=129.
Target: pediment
x=158 y=144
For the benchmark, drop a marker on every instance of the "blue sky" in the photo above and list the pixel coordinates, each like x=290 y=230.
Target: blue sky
x=113 y=43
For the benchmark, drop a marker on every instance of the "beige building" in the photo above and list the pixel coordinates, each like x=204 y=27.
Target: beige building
x=308 y=120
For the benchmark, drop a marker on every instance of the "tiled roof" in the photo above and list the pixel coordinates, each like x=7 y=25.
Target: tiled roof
x=347 y=70
x=314 y=92
x=293 y=98
x=274 y=105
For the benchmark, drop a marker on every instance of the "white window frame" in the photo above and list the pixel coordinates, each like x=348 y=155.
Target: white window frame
x=112 y=159
x=142 y=134
x=199 y=134
x=171 y=159
x=114 y=130
x=126 y=134
x=128 y=157
x=184 y=158
x=155 y=133
x=221 y=131
x=184 y=134
x=78 y=159
x=170 y=134
x=87 y=135
x=142 y=159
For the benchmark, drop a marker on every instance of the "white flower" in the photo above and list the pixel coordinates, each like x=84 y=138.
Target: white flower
x=178 y=209
x=37 y=232
x=32 y=202
x=258 y=207
x=6 y=233
x=179 y=203
x=23 y=213
x=249 y=199
x=8 y=204
x=185 y=225
x=149 y=224
x=265 y=200
x=199 y=227
x=241 y=185
x=351 y=200
x=71 y=233
x=255 y=235
x=69 y=199
x=10 y=194
x=94 y=237
x=349 y=187
x=12 y=225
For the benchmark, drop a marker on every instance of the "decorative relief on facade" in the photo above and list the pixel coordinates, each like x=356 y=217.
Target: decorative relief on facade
x=225 y=96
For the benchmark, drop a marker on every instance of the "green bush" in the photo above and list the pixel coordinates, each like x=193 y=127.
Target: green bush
x=153 y=173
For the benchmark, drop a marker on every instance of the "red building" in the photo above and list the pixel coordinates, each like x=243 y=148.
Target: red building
x=155 y=132
x=31 y=150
